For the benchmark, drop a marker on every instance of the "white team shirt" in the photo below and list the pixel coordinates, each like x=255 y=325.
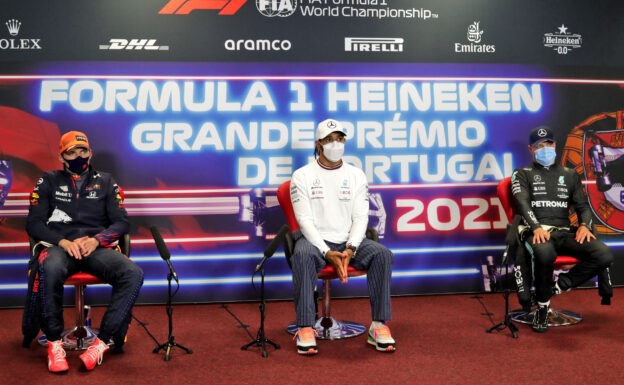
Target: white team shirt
x=330 y=204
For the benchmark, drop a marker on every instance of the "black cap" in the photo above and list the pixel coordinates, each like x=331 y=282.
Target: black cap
x=541 y=134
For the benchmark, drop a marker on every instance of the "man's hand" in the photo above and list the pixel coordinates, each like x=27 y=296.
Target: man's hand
x=540 y=235
x=583 y=234
x=337 y=260
x=72 y=248
x=87 y=245
x=347 y=254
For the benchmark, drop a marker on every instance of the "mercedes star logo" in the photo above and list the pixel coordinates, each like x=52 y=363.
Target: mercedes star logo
x=541 y=132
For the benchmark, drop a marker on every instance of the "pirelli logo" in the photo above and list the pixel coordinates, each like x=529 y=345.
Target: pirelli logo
x=373 y=44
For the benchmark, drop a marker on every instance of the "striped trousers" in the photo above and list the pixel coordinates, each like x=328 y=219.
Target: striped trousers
x=307 y=261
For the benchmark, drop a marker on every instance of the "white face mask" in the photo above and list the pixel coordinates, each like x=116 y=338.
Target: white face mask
x=333 y=151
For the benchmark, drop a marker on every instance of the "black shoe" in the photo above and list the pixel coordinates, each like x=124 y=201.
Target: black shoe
x=540 y=319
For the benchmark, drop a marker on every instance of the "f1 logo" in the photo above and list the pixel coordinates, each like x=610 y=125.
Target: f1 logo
x=184 y=7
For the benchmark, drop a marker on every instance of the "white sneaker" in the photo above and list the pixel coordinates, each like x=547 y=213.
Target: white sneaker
x=380 y=337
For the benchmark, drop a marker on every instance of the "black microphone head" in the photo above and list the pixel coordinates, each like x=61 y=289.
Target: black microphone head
x=160 y=243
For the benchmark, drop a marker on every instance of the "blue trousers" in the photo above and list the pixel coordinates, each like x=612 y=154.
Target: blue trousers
x=110 y=266
x=307 y=261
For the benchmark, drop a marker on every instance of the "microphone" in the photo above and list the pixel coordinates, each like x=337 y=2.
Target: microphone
x=163 y=250
x=272 y=247
x=491 y=272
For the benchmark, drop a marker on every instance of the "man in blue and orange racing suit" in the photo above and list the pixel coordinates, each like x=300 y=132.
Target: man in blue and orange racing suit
x=543 y=194
x=78 y=213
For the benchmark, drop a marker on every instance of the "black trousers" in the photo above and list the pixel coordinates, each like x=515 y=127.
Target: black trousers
x=55 y=266
x=595 y=256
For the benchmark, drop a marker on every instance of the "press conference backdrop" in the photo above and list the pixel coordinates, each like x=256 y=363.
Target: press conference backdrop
x=201 y=109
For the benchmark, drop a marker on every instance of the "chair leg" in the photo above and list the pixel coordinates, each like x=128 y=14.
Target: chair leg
x=326 y=320
x=80 y=333
x=327 y=327
x=557 y=317
x=80 y=337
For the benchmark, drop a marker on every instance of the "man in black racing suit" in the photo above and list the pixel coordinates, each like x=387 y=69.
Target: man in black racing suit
x=543 y=194
x=79 y=213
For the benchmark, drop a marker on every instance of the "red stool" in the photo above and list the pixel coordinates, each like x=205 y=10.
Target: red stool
x=326 y=326
x=557 y=317
x=81 y=336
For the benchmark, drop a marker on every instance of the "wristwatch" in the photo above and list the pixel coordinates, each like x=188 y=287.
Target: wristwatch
x=352 y=248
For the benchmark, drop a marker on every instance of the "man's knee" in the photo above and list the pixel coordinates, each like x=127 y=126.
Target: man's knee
x=544 y=254
x=53 y=261
x=133 y=272
x=603 y=254
x=384 y=254
x=377 y=250
x=301 y=259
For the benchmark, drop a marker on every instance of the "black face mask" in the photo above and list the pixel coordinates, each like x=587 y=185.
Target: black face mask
x=78 y=165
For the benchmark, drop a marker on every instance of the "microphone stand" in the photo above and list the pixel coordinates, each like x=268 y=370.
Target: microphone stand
x=261 y=339
x=506 y=323
x=171 y=339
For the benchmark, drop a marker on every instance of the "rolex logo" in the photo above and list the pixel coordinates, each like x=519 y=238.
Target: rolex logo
x=13 y=26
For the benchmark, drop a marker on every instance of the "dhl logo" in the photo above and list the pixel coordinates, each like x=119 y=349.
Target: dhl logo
x=184 y=7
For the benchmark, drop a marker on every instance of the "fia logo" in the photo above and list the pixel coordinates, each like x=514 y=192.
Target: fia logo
x=474 y=33
x=280 y=8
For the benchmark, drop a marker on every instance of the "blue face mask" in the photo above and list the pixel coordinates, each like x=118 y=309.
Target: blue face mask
x=545 y=156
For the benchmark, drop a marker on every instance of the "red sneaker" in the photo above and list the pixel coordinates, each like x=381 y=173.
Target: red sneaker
x=93 y=356
x=56 y=357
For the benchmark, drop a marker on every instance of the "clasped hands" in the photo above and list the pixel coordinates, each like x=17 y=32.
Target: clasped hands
x=80 y=247
x=340 y=261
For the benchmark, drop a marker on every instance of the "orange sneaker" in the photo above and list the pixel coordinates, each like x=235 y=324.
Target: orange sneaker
x=380 y=337
x=93 y=356
x=306 y=342
x=56 y=357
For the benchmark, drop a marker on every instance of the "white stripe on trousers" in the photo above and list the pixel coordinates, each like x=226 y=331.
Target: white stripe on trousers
x=307 y=261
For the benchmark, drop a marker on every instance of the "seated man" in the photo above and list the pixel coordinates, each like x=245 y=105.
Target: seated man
x=543 y=194
x=79 y=212
x=330 y=200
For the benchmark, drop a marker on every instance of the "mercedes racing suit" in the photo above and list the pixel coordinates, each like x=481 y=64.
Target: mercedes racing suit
x=544 y=196
x=69 y=206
